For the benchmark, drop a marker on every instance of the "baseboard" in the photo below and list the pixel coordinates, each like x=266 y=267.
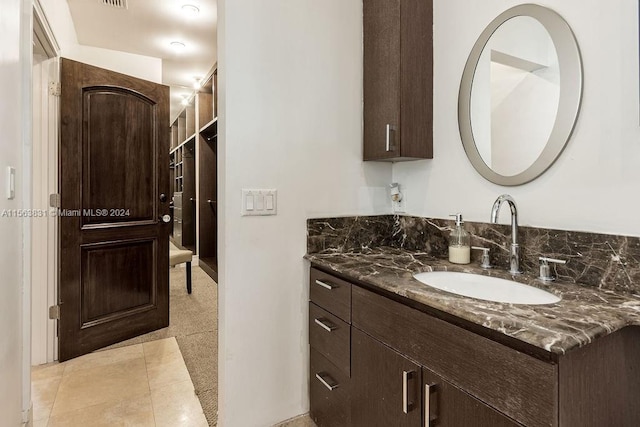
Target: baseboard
x=27 y=417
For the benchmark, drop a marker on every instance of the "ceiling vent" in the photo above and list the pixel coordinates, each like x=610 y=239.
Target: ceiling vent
x=119 y=4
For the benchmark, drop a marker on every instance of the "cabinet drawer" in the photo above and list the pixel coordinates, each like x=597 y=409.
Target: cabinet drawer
x=330 y=336
x=520 y=386
x=331 y=293
x=328 y=408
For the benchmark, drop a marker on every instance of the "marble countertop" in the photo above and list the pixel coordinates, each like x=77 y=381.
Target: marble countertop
x=584 y=313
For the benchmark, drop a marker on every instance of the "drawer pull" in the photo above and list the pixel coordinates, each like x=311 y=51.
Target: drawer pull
x=325 y=325
x=327 y=381
x=428 y=389
x=406 y=377
x=325 y=285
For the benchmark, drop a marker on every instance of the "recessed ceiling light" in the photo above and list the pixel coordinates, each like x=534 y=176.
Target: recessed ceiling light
x=177 y=46
x=190 y=10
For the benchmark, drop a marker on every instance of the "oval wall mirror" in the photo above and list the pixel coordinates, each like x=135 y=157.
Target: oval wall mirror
x=520 y=94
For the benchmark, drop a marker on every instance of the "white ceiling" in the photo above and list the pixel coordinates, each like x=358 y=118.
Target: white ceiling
x=147 y=27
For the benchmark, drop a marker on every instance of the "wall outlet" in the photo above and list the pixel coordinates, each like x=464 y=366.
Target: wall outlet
x=399 y=207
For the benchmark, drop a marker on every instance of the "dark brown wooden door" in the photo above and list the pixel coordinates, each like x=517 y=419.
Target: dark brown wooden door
x=385 y=385
x=114 y=186
x=448 y=406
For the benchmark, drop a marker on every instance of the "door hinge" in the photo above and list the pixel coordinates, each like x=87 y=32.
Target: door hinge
x=54 y=312
x=55 y=88
x=54 y=200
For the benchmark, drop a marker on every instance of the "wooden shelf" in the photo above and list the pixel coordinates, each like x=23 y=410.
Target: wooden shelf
x=183 y=143
x=210 y=130
x=211 y=123
x=192 y=133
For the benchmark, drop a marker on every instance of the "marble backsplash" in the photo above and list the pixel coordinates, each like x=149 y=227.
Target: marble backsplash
x=599 y=260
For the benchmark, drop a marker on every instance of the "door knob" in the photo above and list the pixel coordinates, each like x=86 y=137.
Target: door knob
x=163 y=197
x=165 y=218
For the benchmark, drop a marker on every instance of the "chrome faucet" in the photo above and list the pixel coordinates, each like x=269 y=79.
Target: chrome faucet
x=514 y=257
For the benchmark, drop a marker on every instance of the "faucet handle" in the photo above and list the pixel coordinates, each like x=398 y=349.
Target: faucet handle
x=545 y=269
x=486 y=260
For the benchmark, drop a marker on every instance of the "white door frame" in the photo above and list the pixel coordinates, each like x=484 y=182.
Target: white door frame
x=44 y=235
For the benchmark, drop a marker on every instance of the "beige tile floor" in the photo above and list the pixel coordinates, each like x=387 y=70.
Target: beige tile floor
x=140 y=385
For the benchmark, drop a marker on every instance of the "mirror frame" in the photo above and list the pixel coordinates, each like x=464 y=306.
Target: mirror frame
x=571 y=81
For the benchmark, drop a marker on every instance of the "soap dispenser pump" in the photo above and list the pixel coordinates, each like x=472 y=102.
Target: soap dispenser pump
x=459 y=243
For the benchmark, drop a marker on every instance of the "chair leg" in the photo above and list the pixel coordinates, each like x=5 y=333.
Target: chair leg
x=189 y=277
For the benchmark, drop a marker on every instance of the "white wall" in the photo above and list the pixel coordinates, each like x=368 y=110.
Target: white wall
x=11 y=229
x=59 y=17
x=290 y=112
x=594 y=184
x=143 y=67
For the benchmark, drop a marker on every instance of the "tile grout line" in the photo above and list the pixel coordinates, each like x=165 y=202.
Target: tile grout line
x=146 y=369
x=55 y=397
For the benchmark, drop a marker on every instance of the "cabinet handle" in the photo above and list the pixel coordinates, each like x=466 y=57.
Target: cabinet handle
x=428 y=388
x=328 y=383
x=390 y=128
x=325 y=325
x=325 y=285
x=406 y=405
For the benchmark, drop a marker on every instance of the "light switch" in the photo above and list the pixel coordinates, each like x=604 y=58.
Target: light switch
x=259 y=202
x=248 y=201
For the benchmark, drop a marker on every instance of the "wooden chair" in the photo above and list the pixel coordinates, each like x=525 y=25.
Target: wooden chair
x=178 y=256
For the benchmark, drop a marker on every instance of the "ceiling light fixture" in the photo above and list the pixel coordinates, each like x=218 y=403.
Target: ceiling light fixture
x=177 y=46
x=197 y=83
x=190 y=10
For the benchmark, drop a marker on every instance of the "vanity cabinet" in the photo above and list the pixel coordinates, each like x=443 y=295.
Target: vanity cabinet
x=393 y=362
x=389 y=389
x=517 y=385
x=398 y=79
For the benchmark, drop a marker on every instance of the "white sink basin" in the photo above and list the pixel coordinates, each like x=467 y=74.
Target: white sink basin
x=486 y=288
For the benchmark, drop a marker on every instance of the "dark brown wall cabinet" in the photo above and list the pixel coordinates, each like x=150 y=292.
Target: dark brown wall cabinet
x=398 y=79
x=383 y=363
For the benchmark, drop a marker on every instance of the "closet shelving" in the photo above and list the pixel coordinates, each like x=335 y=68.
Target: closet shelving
x=193 y=157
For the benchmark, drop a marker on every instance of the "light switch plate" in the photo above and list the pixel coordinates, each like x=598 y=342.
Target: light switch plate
x=259 y=202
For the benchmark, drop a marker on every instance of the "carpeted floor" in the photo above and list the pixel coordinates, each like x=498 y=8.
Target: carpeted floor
x=193 y=320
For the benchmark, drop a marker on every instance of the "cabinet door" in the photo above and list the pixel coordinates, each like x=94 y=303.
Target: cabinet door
x=398 y=79
x=381 y=79
x=385 y=385
x=447 y=406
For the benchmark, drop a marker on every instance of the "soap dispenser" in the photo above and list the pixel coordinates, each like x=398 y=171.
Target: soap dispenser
x=459 y=243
